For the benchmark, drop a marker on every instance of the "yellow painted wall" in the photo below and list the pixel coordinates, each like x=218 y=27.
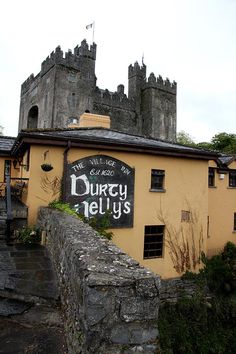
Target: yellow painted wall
x=222 y=206
x=186 y=184
x=186 y=189
x=43 y=187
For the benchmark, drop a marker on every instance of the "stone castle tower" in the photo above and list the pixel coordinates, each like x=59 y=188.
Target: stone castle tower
x=66 y=87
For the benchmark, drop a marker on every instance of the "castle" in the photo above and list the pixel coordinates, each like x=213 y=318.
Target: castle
x=65 y=88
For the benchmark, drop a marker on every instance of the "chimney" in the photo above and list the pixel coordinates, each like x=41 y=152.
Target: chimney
x=90 y=120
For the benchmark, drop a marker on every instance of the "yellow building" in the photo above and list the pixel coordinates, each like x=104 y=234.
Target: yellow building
x=166 y=203
x=155 y=193
x=222 y=203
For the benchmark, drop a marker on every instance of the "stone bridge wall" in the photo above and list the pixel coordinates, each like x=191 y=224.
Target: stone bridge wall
x=110 y=302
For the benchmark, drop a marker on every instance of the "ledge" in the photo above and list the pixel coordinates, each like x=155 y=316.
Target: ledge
x=157 y=190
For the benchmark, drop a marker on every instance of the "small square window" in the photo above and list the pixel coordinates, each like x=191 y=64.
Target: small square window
x=185 y=216
x=234 y=221
x=211 y=177
x=232 y=178
x=157 y=180
x=153 y=241
x=72 y=120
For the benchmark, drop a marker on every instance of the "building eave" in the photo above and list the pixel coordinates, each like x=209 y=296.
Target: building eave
x=34 y=138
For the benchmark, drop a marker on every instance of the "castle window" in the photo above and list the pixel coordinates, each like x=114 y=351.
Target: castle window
x=234 y=229
x=153 y=241
x=33 y=118
x=211 y=177
x=72 y=120
x=185 y=216
x=232 y=178
x=157 y=180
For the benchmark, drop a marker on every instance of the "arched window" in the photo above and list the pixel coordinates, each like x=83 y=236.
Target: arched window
x=33 y=118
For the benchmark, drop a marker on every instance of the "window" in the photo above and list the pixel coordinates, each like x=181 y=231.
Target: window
x=72 y=120
x=232 y=178
x=211 y=177
x=153 y=241
x=157 y=180
x=234 y=221
x=185 y=215
x=33 y=118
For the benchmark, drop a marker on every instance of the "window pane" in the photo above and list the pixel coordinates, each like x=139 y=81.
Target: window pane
x=157 y=179
x=211 y=177
x=185 y=215
x=232 y=178
x=153 y=241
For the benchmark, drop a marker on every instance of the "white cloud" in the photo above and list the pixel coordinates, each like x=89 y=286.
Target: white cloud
x=190 y=41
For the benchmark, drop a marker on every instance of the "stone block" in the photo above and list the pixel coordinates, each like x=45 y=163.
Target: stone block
x=110 y=303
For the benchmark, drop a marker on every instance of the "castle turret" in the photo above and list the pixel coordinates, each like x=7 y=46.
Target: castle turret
x=159 y=108
x=66 y=87
x=62 y=91
x=137 y=77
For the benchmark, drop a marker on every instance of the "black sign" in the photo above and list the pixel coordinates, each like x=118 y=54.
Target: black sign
x=101 y=185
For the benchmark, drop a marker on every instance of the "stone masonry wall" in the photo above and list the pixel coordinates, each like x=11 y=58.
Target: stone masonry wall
x=172 y=290
x=110 y=302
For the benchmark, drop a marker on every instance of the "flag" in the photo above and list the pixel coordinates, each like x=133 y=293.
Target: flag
x=89 y=26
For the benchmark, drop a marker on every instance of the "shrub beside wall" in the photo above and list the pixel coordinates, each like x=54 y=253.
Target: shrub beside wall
x=110 y=302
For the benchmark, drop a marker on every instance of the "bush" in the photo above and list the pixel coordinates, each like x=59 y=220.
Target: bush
x=200 y=325
x=29 y=235
x=99 y=224
x=219 y=270
x=194 y=326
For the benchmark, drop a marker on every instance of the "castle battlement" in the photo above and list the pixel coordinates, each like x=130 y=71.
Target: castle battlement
x=68 y=59
x=115 y=99
x=137 y=70
x=85 y=51
x=26 y=84
x=65 y=88
x=159 y=83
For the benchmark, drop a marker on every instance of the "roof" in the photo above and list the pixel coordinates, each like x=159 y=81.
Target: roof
x=107 y=138
x=226 y=160
x=6 y=143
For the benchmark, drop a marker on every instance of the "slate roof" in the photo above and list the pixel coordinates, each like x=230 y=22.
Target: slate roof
x=107 y=138
x=226 y=159
x=6 y=143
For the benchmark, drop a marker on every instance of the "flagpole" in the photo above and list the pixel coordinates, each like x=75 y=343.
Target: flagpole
x=93 y=31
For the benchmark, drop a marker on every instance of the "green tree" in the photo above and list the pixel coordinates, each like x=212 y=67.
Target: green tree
x=205 y=145
x=224 y=142
x=185 y=139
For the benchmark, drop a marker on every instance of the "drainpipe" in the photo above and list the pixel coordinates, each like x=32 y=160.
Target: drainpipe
x=65 y=162
x=9 y=208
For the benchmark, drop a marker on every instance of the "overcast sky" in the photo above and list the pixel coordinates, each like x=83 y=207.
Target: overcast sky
x=189 y=41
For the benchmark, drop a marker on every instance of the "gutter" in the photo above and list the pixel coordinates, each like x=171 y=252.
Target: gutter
x=65 y=162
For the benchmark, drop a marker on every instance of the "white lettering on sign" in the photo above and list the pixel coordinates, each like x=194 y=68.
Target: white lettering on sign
x=100 y=207
x=108 y=189
x=78 y=167
x=125 y=170
x=100 y=184
x=105 y=192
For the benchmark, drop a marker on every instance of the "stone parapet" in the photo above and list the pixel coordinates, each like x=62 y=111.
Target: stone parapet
x=110 y=302
x=176 y=289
